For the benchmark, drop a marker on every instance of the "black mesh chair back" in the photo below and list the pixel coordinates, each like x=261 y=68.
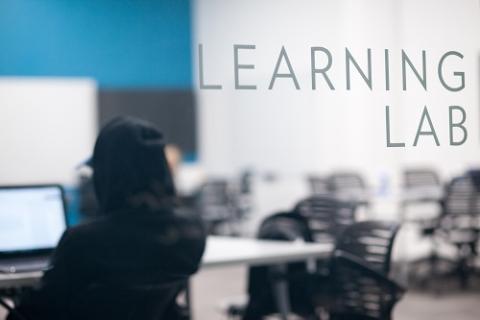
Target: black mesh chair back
x=419 y=178
x=127 y=302
x=370 y=240
x=326 y=217
x=461 y=213
x=460 y=224
x=461 y=197
x=318 y=185
x=214 y=202
x=360 y=268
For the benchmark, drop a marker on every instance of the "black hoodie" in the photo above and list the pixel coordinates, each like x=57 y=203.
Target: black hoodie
x=130 y=244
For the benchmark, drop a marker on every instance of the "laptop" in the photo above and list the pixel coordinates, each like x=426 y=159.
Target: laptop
x=32 y=220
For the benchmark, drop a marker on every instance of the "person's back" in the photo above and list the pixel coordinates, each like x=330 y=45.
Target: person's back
x=140 y=245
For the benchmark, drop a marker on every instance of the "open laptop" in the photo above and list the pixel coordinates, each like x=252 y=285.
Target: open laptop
x=32 y=220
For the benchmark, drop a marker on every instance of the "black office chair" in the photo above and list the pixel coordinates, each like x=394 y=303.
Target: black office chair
x=359 y=282
x=121 y=302
x=263 y=298
x=216 y=207
x=129 y=302
x=460 y=224
x=326 y=217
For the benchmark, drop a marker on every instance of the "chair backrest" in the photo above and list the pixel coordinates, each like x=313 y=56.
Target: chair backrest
x=461 y=211
x=346 y=181
x=318 y=185
x=126 y=302
x=462 y=197
x=214 y=193
x=214 y=201
x=415 y=178
x=371 y=241
x=286 y=226
x=349 y=186
x=358 y=294
x=326 y=216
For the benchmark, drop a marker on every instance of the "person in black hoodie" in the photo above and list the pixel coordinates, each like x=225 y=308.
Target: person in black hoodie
x=140 y=240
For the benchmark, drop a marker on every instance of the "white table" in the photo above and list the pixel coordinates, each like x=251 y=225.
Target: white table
x=226 y=251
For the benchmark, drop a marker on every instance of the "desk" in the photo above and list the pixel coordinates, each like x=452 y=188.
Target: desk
x=227 y=251
x=224 y=251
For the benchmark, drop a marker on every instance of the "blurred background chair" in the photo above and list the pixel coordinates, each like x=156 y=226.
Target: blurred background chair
x=216 y=207
x=359 y=282
x=460 y=225
x=420 y=186
x=225 y=204
x=421 y=178
x=264 y=281
x=350 y=187
x=242 y=195
x=326 y=216
x=457 y=227
x=421 y=206
x=318 y=185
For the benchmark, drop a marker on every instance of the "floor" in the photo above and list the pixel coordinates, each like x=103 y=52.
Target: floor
x=213 y=289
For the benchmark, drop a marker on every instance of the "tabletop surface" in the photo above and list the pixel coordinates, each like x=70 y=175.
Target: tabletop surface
x=228 y=251
x=223 y=251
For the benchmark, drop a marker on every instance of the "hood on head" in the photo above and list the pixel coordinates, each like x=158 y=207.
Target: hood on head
x=128 y=159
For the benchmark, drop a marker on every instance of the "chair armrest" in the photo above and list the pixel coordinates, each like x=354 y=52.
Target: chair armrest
x=361 y=264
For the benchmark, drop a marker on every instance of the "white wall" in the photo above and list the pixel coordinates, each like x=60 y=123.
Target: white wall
x=299 y=131
x=47 y=127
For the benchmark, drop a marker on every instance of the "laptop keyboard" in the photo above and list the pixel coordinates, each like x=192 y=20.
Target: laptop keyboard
x=24 y=265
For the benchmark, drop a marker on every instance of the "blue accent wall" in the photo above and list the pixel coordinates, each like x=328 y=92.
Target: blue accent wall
x=120 y=43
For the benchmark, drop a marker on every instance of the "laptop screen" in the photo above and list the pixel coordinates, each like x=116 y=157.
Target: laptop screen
x=31 y=218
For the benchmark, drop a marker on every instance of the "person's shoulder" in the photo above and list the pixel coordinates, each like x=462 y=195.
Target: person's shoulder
x=85 y=230
x=188 y=222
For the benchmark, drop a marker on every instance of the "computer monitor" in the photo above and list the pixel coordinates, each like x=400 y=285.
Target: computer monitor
x=32 y=218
